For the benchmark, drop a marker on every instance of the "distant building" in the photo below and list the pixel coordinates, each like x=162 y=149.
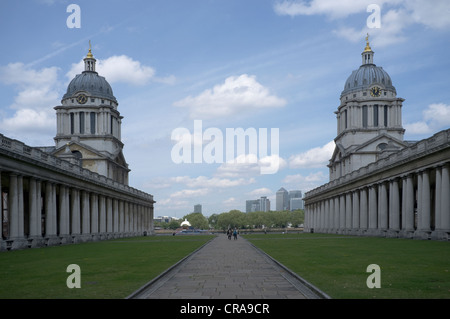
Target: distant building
x=198 y=208
x=282 y=199
x=264 y=204
x=296 y=203
x=257 y=205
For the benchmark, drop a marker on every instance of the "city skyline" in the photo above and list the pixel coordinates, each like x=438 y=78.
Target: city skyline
x=258 y=64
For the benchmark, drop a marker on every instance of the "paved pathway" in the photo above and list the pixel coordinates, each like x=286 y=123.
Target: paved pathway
x=226 y=269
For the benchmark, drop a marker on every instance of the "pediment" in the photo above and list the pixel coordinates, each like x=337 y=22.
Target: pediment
x=380 y=143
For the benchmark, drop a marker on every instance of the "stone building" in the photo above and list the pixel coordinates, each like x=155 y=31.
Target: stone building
x=77 y=190
x=381 y=185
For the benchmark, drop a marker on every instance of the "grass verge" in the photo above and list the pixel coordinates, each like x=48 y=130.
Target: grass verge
x=109 y=269
x=337 y=264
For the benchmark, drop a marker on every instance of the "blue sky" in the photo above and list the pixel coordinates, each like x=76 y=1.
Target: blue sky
x=229 y=63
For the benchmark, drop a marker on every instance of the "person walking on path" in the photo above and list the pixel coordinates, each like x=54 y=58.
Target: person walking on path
x=235 y=234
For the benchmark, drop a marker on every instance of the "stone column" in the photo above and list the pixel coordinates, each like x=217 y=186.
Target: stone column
x=341 y=213
x=437 y=202
x=33 y=200
x=109 y=220
x=330 y=215
x=85 y=215
x=336 y=214
x=373 y=211
x=445 y=199
x=127 y=218
x=16 y=222
x=64 y=215
x=50 y=212
x=13 y=201
x=102 y=212
x=424 y=211
x=363 y=220
x=75 y=209
x=121 y=217
x=356 y=212
x=383 y=207
x=394 y=208
x=348 y=212
x=115 y=216
x=408 y=204
x=94 y=216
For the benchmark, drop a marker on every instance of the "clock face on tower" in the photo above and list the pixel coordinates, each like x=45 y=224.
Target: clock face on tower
x=375 y=91
x=81 y=98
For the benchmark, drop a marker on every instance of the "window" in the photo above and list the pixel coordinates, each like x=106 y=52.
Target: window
x=92 y=122
x=72 y=123
x=364 y=115
x=345 y=119
x=385 y=115
x=81 y=122
x=375 y=115
x=112 y=122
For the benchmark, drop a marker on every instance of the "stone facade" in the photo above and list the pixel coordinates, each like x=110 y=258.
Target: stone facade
x=406 y=194
x=48 y=201
x=379 y=184
x=77 y=190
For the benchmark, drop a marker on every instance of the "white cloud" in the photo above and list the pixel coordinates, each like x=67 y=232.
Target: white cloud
x=30 y=121
x=396 y=16
x=305 y=183
x=332 y=8
x=188 y=193
x=315 y=157
x=434 y=14
x=211 y=182
x=120 y=69
x=231 y=202
x=264 y=191
x=38 y=92
x=236 y=94
x=435 y=117
x=250 y=165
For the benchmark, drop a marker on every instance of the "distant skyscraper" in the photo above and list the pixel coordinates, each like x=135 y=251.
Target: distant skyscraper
x=282 y=199
x=257 y=205
x=295 y=200
x=198 y=208
x=295 y=194
x=264 y=204
x=296 y=203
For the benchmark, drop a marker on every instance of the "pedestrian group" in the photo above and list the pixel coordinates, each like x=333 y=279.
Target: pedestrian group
x=232 y=232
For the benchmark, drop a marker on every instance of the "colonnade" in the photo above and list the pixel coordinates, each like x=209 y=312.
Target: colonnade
x=37 y=212
x=415 y=204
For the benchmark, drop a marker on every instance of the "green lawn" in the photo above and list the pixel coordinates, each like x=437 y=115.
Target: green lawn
x=337 y=264
x=109 y=269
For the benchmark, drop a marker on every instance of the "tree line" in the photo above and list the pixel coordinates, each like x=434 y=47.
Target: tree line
x=241 y=220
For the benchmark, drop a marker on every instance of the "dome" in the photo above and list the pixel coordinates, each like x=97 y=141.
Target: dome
x=92 y=83
x=366 y=76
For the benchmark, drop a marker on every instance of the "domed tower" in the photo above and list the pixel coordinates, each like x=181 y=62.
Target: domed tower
x=89 y=124
x=369 y=123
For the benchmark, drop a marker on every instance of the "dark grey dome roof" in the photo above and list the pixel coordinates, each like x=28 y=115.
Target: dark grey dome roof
x=90 y=81
x=365 y=76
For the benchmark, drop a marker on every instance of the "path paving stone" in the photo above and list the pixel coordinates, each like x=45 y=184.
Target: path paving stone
x=227 y=269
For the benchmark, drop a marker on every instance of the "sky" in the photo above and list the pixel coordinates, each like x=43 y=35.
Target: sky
x=186 y=72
